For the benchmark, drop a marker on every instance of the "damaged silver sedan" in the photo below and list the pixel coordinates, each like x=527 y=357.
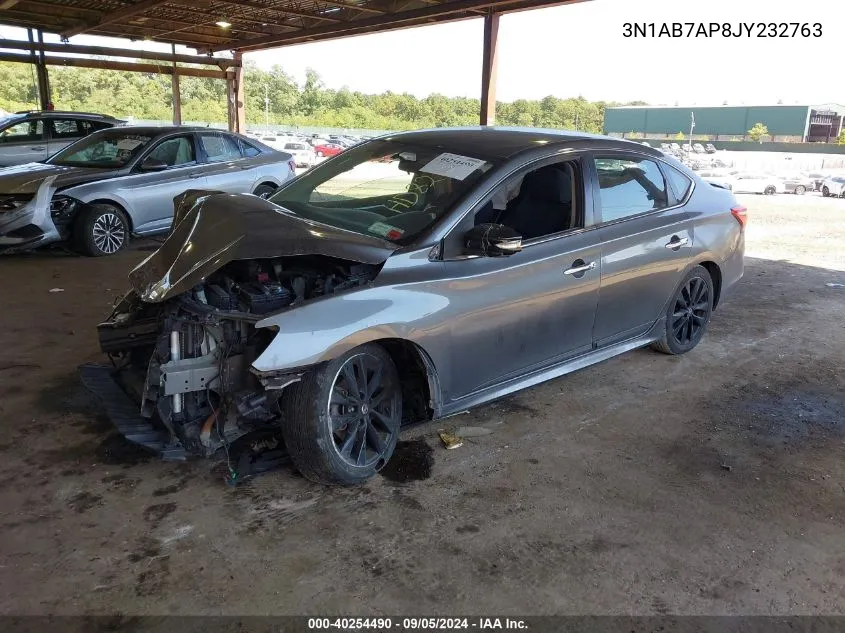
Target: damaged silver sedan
x=407 y=279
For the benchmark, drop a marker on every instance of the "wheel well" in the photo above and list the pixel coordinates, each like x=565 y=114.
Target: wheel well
x=117 y=205
x=716 y=276
x=268 y=184
x=417 y=375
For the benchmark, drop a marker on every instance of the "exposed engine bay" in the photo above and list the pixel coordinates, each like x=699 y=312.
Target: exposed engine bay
x=187 y=360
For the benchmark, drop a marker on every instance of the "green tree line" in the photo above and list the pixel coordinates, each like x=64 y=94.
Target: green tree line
x=148 y=96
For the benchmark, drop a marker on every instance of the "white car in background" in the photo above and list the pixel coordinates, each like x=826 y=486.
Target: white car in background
x=834 y=186
x=756 y=182
x=720 y=177
x=302 y=153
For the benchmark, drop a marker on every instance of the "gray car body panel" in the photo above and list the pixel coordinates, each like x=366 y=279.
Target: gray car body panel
x=146 y=197
x=486 y=327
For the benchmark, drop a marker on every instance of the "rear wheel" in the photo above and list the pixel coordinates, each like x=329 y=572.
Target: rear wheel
x=769 y=190
x=688 y=314
x=264 y=191
x=101 y=229
x=319 y=154
x=800 y=190
x=341 y=422
x=825 y=192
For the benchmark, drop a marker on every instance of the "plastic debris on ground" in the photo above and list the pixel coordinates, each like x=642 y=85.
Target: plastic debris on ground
x=57 y=289
x=450 y=440
x=833 y=284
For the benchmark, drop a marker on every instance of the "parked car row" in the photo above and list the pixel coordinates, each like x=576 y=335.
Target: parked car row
x=96 y=192
x=797 y=183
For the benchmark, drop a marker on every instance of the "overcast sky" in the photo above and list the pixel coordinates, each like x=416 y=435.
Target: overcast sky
x=580 y=49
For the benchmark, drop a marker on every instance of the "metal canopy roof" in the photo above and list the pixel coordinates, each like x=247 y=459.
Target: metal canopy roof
x=254 y=24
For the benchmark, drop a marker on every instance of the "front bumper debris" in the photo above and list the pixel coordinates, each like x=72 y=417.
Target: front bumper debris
x=126 y=416
x=30 y=226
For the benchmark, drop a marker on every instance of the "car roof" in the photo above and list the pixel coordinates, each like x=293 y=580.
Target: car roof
x=162 y=129
x=64 y=113
x=505 y=142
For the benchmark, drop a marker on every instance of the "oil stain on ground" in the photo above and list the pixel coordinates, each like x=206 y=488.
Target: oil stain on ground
x=411 y=461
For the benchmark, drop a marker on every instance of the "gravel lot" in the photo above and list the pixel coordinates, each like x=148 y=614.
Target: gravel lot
x=712 y=483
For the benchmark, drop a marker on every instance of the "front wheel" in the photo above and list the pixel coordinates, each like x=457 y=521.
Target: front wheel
x=769 y=190
x=341 y=422
x=825 y=192
x=264 y=191
x=800 y=190
x=319 y=154
x=101 y=229
x=688 y=314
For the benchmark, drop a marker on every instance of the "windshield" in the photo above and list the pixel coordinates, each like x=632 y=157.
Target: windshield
x=387 y=189
x=109 y=149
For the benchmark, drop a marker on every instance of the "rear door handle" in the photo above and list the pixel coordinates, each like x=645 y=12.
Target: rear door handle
x=195 y=174
x=675 y=243
x=580 y=270
x=38 y=149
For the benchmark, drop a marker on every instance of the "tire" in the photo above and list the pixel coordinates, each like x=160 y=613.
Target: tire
x=682 y=312
x=319 y=154
x=264 y=191
x=100 y=230
x=800 y=190
x=769 y=190
x=825 y=192
x=317 y=418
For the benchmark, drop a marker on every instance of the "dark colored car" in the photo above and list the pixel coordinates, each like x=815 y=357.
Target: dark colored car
x=365 y=295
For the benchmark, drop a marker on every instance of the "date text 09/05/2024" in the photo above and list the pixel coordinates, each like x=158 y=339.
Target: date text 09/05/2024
x=416 y=624
x=722 y=29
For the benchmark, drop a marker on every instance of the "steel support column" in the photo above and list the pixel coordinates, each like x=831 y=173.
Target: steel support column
x=40 y=70
x=488 y=69
x=175 y=92
x=235 y=96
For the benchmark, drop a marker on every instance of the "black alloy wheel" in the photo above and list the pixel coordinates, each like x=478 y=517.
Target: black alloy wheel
x=691 y=312
x=362 y=411
x=688 y=313
x=342 y=421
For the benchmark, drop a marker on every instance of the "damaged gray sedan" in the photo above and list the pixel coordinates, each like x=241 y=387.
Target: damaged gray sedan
x=410 y=278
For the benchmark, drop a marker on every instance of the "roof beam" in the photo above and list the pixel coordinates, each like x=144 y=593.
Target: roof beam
x=357 y=7
x=283 y=11
x=115 y=16
x=108 y=64
x=118 y=52
x=381 y=22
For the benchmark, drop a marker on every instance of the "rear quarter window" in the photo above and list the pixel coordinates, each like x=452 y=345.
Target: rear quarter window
x=679 y=181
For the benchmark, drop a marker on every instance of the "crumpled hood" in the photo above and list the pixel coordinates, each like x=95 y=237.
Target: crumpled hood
x=211 y=229
x=23 y=179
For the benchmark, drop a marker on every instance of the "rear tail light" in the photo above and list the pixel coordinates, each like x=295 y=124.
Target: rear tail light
x=740 y=213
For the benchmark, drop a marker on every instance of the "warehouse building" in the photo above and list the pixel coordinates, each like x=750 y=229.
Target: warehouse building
x=785 y=123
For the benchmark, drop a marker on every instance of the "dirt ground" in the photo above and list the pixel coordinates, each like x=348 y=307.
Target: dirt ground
x=712 y=483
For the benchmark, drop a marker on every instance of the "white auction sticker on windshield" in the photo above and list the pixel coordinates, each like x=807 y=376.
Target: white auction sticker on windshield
x=129 y=143
x=452 y=166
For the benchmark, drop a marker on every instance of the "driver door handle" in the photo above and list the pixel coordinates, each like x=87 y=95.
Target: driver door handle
x=195 y=174
x=578 y=270
x=38 y=149
x=676 y=243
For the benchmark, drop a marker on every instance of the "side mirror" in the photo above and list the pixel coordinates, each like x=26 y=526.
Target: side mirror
x=492 y=240
x=153 y=164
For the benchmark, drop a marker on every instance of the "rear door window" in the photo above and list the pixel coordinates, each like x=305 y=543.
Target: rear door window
x=249 y=150
x=629 y=187
x=64 y=128
x=219 y=148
